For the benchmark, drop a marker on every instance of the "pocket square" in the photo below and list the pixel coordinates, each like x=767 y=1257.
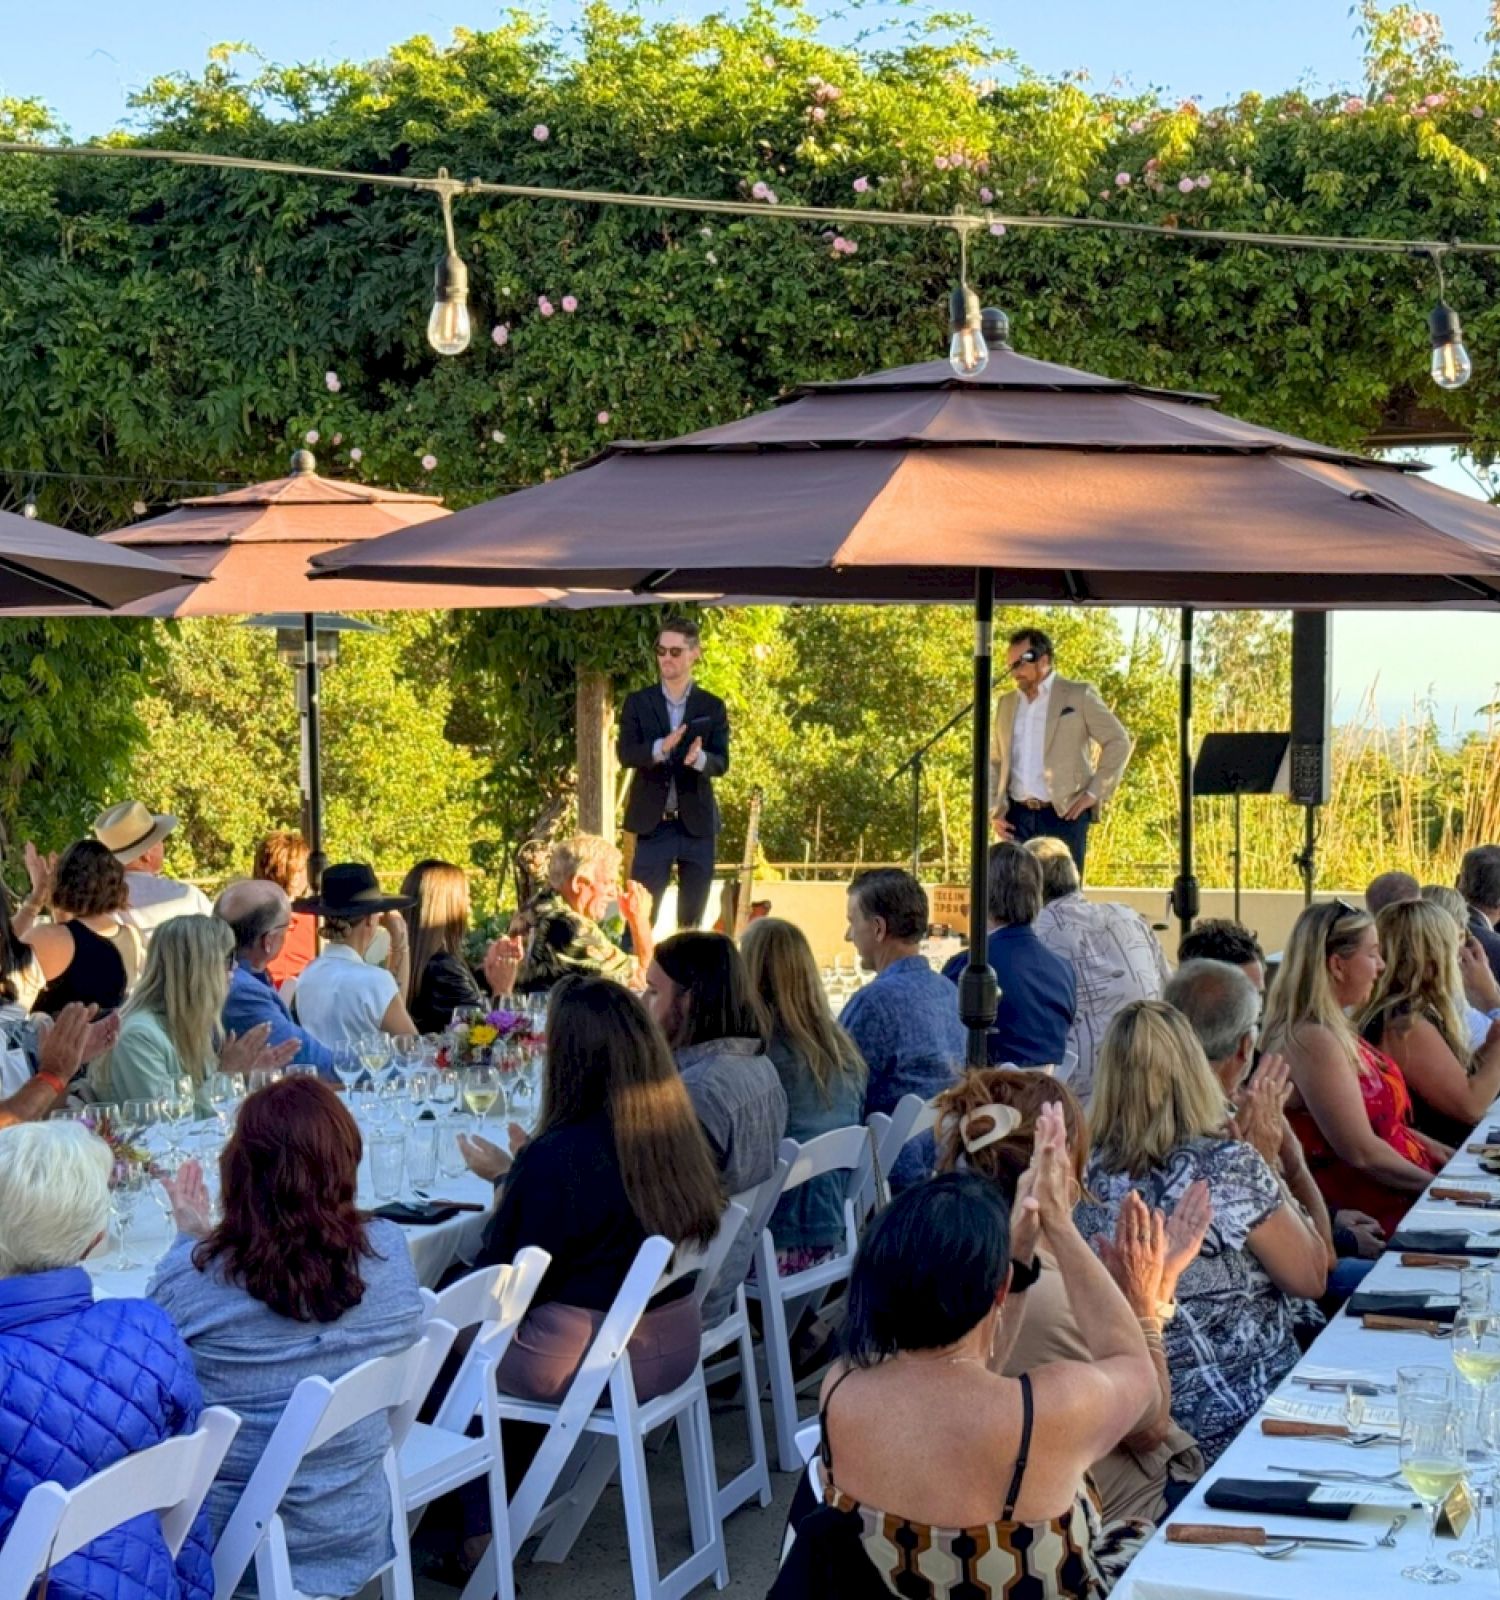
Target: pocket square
x=1067 y=711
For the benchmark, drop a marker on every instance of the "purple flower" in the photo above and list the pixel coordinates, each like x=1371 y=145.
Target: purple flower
x=541 y=133
x=986 y=196
x=1185 y=185
x=570 y=303
x=544 y=306
x=998 y=229
x=429 y=461
x=861 y=185
x=500 y=333
x=1122 y=180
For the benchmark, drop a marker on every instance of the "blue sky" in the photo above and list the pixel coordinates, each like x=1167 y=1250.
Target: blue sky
x=84 y=57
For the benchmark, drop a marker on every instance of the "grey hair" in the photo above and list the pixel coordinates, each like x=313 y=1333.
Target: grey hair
x=1218 y=1000
x=1059 y=870
x=54 y=1195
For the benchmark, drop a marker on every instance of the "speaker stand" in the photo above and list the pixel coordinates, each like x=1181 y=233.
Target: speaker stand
x=1306 y=862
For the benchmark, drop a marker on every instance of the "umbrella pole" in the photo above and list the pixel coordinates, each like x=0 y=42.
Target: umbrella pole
x=978 y=993
x=312 y=754
x=1185 y=889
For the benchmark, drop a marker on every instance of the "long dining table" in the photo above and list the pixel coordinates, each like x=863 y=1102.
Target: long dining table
x=1164 y=1570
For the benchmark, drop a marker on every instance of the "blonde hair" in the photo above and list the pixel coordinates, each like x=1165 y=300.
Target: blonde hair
x=1446 y=896
x=438 y=917
x=1302 y=993
x=583 y=855
x=1420 y=943
x=54 y=1195
x=785 y=976
x=184 y=985
x=1153 y=1089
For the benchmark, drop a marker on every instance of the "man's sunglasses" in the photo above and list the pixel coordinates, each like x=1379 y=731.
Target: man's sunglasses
x=673 y=650
x=1022 y=659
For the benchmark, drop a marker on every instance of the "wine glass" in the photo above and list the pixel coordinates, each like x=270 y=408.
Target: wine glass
x=1432 y=1462
x=481 y=1088
x=177 y=1111
x=127 y=1184
x=419 y=1084
x=225 y=1090
x=1476 y=1343
x=1484 y=1460
x=407 y=1053
x=442 y=1095
x=374 y=1051
x=346 y=1064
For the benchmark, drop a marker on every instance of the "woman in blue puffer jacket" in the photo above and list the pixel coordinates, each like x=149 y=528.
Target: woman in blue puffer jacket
x=84 y=1383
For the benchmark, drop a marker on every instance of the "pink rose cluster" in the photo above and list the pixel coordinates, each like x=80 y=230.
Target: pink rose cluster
x=761 y=190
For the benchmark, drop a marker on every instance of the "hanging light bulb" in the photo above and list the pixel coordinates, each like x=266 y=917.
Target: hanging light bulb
x=448 y=328
x=1451 y=366
x=29 y=508
x=968 y=354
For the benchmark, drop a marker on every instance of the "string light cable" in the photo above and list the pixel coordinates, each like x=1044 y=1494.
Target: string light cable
x=448 y=323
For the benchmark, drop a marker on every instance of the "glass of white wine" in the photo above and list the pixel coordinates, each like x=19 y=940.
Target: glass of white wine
x=374 y=1053
x=481 y=1090
x=1476 y=1344
x=1432 y=1462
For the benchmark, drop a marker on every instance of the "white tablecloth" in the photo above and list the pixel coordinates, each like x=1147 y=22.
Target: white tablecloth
x=1165 y=1571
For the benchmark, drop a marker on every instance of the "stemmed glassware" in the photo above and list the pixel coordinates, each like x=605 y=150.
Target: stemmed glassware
x=224 y=1092
x=481 y=1089
x=177 y=1112
x=128 y=1181
x=1433 y=1462
x=347 y=1065
x=374 y=1053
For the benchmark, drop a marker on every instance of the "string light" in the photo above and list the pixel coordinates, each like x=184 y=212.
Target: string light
x=968 y=354
x=448 y=328
x=1451 y=366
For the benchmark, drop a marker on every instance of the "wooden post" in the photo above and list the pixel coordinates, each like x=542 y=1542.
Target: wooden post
x=596 y=754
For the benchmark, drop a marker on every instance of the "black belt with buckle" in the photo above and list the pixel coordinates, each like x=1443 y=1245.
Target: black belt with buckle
x=1033 y=805
x=669 y=816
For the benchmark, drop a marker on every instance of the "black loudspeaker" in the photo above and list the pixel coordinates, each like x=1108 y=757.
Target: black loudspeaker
x=1312 y=709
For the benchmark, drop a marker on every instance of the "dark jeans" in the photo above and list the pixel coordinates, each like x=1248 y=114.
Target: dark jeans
x=1044 y=821
x=669 y=844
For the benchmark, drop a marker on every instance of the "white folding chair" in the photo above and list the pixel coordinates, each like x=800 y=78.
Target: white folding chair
x=732 y=1341
x=318 y=1411
x=170 y=1479
x=911 y=1117
x=785 y=1299
x=440 y=1456
x=616 y=1432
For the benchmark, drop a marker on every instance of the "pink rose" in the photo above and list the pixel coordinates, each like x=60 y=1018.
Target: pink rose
x=1354 y=105
x=1122 y=180
x=818 y=114
x=986 y=196
x=541 y=133
x=758 y=191
x=428 y=462
x=861 y=185
x=356 y=454
x=1204 y=181
x=544 y=305
x=1435 y=100
x=311 y=435
x=570 y=303
x=1185 y=185
x=602 y=419
x=998 y=229
x=332 y=381
x=500 y=333
x=1136 y=126
x=771 y=197
x=941 y=163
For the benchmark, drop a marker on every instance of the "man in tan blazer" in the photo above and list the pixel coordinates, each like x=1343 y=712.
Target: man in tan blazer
x=1044 y=775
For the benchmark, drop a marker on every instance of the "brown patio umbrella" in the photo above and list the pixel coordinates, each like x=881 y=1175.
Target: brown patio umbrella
x=1041 y=481
x=42 y=568
x=250 y=547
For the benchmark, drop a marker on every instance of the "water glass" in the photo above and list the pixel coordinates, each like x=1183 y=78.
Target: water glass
x=1424 y=1383
x=450 y=1158
x=387 y=1157
x=1478 y=1554
x=127 y=1184
x=421 y=1154
x=1432 y=1463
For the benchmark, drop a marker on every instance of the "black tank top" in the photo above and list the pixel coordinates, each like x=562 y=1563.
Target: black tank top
x=96 y=975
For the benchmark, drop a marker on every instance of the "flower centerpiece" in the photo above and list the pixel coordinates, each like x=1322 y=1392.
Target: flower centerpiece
x=497 y=1037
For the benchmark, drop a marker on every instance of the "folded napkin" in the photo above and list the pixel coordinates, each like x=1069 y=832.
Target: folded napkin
x=416 y=1213
x=1442 y=1242
x=1272 y=1498
x=1392 y=1303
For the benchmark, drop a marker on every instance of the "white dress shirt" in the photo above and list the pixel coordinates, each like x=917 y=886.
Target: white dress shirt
x=156 y=898
x=340 y=997
x=1028 y=746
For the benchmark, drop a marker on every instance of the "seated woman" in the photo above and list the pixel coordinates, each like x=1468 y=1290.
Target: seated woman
x=1350 y=1105
x=170 y=1025
x=1157 y=1119
x=992 y=1502
x=281 y=858
x=437 y=921
x=697 y=989
x=822 y=1073
x=987 y=1124
x=341 y=998
x=1416 y=1015
x=86 y=953
x=295 y=1282
x=618 y=1156
x=84 y=1382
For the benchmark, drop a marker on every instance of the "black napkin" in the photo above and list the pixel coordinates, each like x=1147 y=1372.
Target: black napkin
x=416 y=1213
x=1441 y=1242
x=1273 y=1498
x=1393 y=1303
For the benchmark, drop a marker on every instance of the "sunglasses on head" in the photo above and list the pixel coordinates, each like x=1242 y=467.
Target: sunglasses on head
x=673 y=650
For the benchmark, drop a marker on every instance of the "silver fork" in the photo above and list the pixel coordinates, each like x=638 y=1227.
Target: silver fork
x=1339 y=1474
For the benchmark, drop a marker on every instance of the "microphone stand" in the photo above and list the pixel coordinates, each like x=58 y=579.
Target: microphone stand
x=913 y=764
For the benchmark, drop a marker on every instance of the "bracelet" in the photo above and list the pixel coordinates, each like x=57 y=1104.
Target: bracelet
x=51 y=1079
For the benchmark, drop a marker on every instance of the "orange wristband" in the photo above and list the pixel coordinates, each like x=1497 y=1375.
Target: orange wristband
x=53 y=1082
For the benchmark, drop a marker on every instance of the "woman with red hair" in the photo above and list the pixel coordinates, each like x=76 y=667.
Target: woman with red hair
x=294 y=1282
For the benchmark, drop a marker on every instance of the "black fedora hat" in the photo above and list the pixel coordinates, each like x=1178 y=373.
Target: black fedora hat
x=350 y=890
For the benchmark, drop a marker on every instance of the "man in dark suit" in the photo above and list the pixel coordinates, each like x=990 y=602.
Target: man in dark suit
x=1479 y=884
x=675 y=738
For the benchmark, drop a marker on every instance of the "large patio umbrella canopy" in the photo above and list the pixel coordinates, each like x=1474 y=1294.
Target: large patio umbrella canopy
x=900 y=484
x=43 y=568
x=1034 y=481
